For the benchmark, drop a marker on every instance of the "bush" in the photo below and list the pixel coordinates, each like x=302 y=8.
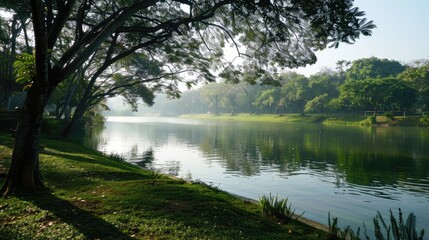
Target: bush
x=369 y=121
x=424 y=121
x=372 y=120
x=389 y=116
x=51 y=126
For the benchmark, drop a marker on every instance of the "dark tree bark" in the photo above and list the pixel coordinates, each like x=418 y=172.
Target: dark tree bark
x=24 y=173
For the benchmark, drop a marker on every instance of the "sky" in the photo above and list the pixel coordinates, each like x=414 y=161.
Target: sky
x=402 y=34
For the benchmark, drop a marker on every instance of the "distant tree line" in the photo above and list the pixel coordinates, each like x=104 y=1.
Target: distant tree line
x=368 y=84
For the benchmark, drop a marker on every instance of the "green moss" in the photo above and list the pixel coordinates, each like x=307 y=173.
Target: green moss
x=91 y=196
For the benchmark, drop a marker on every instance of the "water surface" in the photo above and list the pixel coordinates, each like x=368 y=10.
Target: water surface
x=351 y=172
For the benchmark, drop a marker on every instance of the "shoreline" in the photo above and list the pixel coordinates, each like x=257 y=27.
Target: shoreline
x=331 y=119
x=92 y=196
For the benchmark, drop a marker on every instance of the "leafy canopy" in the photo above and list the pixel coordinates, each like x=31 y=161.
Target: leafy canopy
x=190 y=35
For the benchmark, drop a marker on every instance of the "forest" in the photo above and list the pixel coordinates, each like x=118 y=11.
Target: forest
x=369 y=84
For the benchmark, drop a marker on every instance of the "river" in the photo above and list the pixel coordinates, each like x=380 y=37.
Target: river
x=351 y=172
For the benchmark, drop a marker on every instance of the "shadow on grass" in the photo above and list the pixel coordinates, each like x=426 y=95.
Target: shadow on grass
x=204 y=210
x=101 y=160
x=84 y=221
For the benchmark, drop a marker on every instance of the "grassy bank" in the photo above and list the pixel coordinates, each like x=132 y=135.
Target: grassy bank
x=259 y=117
x=91 y=196
x=332 y=119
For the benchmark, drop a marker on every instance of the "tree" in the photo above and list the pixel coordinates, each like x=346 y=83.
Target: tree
x=297 y=91
x=177 y=34
x=399 y=95
x=212 y=94
x=248 y=94
x=376 y=94
x=418 y=77
x=324 y=87
x=318 y=104
x=12 y=36
x=229 y=98
x=270 y=100
x=373 y=68
x=342 y=67
x=131 y=86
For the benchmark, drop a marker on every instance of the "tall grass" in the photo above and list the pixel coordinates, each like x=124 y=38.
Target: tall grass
x=395 y=229
x=278 y=208
x=398 y=228
x=335 y=232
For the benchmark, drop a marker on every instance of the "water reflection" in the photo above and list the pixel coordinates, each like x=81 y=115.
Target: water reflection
x=145 y=160
x=347 y=169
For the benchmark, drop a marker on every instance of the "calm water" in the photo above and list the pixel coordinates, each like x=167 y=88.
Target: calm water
x=351 y=172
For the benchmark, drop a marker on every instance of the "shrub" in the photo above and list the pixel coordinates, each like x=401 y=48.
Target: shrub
x=389 y=116
x=372 y=120
x=278 y=209
x=369 y=121
x=51 y=126
x=424 y=121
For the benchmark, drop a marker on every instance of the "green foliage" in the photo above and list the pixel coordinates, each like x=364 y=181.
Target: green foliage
x=333 y=229
x=51 y=126
x=372 y=120
x=297 y=91
x=335 y=232
x=373 y=67
x=318 y=104
x=424 y=121
x=398 y=228
x=376 y=94
x=418 y=78
x=389 y=116
x=25 y=68
x=369 y=121
x=268 y=98
x=278 y=209
x=155 y=174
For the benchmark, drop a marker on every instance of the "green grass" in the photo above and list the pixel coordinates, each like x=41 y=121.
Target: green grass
x=92 y=196
x=332 y=119
x=259 y=117
x=410 y=121
x=346 y=119
x=278 y=208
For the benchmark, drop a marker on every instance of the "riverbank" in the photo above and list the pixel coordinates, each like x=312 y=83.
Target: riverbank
x=331 y=119
x=92 y=196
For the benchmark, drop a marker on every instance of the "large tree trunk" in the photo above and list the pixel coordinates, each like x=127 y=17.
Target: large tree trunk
x=77 y=116
x=24 y=171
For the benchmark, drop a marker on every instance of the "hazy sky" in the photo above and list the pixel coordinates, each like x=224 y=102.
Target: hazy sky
x=402 y=34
